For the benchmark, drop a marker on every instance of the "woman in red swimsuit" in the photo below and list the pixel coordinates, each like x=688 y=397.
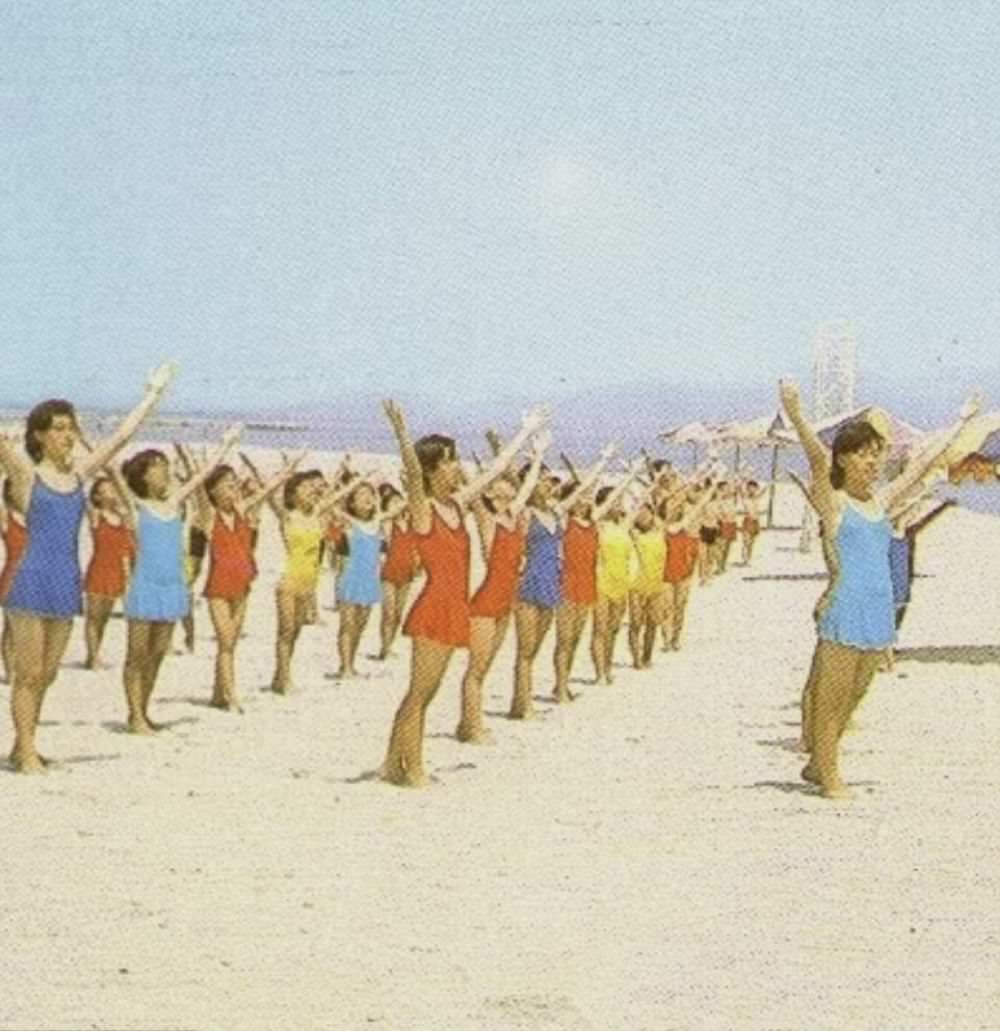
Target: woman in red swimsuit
x=683 y=547
x=110 y=563
x=229 y=522
x=500 y=517
x=398 y=569
x=15 y=539
x=579 y=571
x=438 y=623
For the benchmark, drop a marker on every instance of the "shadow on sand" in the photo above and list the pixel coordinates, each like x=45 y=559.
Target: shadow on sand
x=956 y=654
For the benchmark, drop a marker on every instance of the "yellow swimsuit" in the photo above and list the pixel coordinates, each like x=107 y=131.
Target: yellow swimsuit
x=651 y=547
x=615 y=553
x=303 y=541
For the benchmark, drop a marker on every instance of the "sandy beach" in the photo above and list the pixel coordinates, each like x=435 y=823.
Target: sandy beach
x=645 y=858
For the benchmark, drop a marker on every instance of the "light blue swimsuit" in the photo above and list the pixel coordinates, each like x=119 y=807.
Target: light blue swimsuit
x=359 y=583
x=158 y=592
x=861 y=613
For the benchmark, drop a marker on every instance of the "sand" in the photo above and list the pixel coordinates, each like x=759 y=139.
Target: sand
x=645 y=858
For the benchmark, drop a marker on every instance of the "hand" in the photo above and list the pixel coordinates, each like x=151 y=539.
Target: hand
x=608 y=452
x=232 y=435
x=970 y=409
x=395 y=416
x=533 y=421
x=791 y=400
x=159 y=379
x=295 y=461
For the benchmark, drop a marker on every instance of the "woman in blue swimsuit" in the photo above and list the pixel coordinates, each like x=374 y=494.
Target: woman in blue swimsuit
x=856 y=616
x=46 y=592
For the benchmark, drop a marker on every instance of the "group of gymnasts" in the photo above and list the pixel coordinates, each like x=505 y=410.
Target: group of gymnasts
x=563 y=550
x=590 y=546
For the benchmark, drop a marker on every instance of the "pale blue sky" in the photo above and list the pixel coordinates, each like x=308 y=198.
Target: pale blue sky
x=305 y=199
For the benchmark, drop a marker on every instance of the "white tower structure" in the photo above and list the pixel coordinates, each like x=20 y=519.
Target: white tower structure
x=835 y=351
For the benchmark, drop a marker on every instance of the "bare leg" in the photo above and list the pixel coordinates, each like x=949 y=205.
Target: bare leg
x=37 y=648
x=393 y=603
x=292 y=612
x=481 y=653
x=404 y=763
x=570 y=621
x=682 y=593
x=598 y=641
x=137 y=652
x=8 y=650
x=532 y=624
x=636 y=622
x=227 y=615
x=159 y=644
x=616 y=613
x=98 y=613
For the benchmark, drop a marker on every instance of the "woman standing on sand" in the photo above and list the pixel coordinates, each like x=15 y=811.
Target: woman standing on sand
x=439 y=621
x=46 y=591
x=398 y=569
x=856 y=621
x=681 y=524
x=230 y=525
x=158 y=594
x=110 y=563
x=502 y=524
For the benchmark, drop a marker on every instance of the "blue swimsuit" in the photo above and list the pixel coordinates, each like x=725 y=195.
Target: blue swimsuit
x=541 y=580
x=359 y=582
x=158 y=591
x=861 y=613
x=47 y=581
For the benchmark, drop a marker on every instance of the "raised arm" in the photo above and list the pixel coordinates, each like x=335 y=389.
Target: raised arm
x=104 y=452
x=541 y=444
x=570 y=466
x=821 y=490
x=18 y=471
x=413 y=474
x=494 y=442
x=229 y=441
x=588 y=480
x=531 y=423
x=268 y=489
x=924 y=462
x=633 y=470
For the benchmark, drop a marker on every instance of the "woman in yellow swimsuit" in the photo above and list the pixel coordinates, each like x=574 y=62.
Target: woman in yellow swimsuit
x=646 y=602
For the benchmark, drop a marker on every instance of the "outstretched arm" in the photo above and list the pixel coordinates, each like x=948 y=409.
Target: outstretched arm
x=600 y=511
x=590 y=477
x=267 y=489
x=104 y=452
x=922 y=464
x=570 y=466
x=821 y=490
x=541 y=443
x=413 y=474
x=229 y=441
x=18 y=471
x=531 y=423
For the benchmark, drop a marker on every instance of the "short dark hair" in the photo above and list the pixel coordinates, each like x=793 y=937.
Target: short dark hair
x=134 y=470
x=853 y=437
x=215 y=477
x=293 y=483
x=40 y=419
x=96 y=486
x=431 y=451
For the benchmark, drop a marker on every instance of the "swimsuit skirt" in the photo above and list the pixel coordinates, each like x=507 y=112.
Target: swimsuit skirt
x=441 y=612
x=682 y=557
x=861 y=613
x=113 y=545
x=541 y=579
x=47 y=581
x=651 y=547
x=158 y=590
x=359 y=582
x=614 y=559
x=579 y=577
x=496 y=594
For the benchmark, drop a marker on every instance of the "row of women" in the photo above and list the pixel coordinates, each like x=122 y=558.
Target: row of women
x=553 y=552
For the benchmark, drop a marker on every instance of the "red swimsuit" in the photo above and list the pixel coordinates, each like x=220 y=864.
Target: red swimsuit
x=15 y=540
x=232 y=568
x=400 y=563
x=579 y=583
x=441 y=612
x=112 y=546
x=496 y=594
x=682 y=555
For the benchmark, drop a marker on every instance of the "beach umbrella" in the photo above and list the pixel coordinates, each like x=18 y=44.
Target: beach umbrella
x=696 y=434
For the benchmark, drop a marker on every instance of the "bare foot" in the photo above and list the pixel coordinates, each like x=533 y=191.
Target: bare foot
x=30 y=763
x=809 y=774
x=403 y=778
x=142 y=727
x=527 y=713
x=282 y=689
x=802 y=746
x=561 y=697
x=480 y=736
x=837 y=792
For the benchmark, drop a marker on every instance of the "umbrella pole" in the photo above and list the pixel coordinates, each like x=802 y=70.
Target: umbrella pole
x=774 y=480
x=736 y=466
